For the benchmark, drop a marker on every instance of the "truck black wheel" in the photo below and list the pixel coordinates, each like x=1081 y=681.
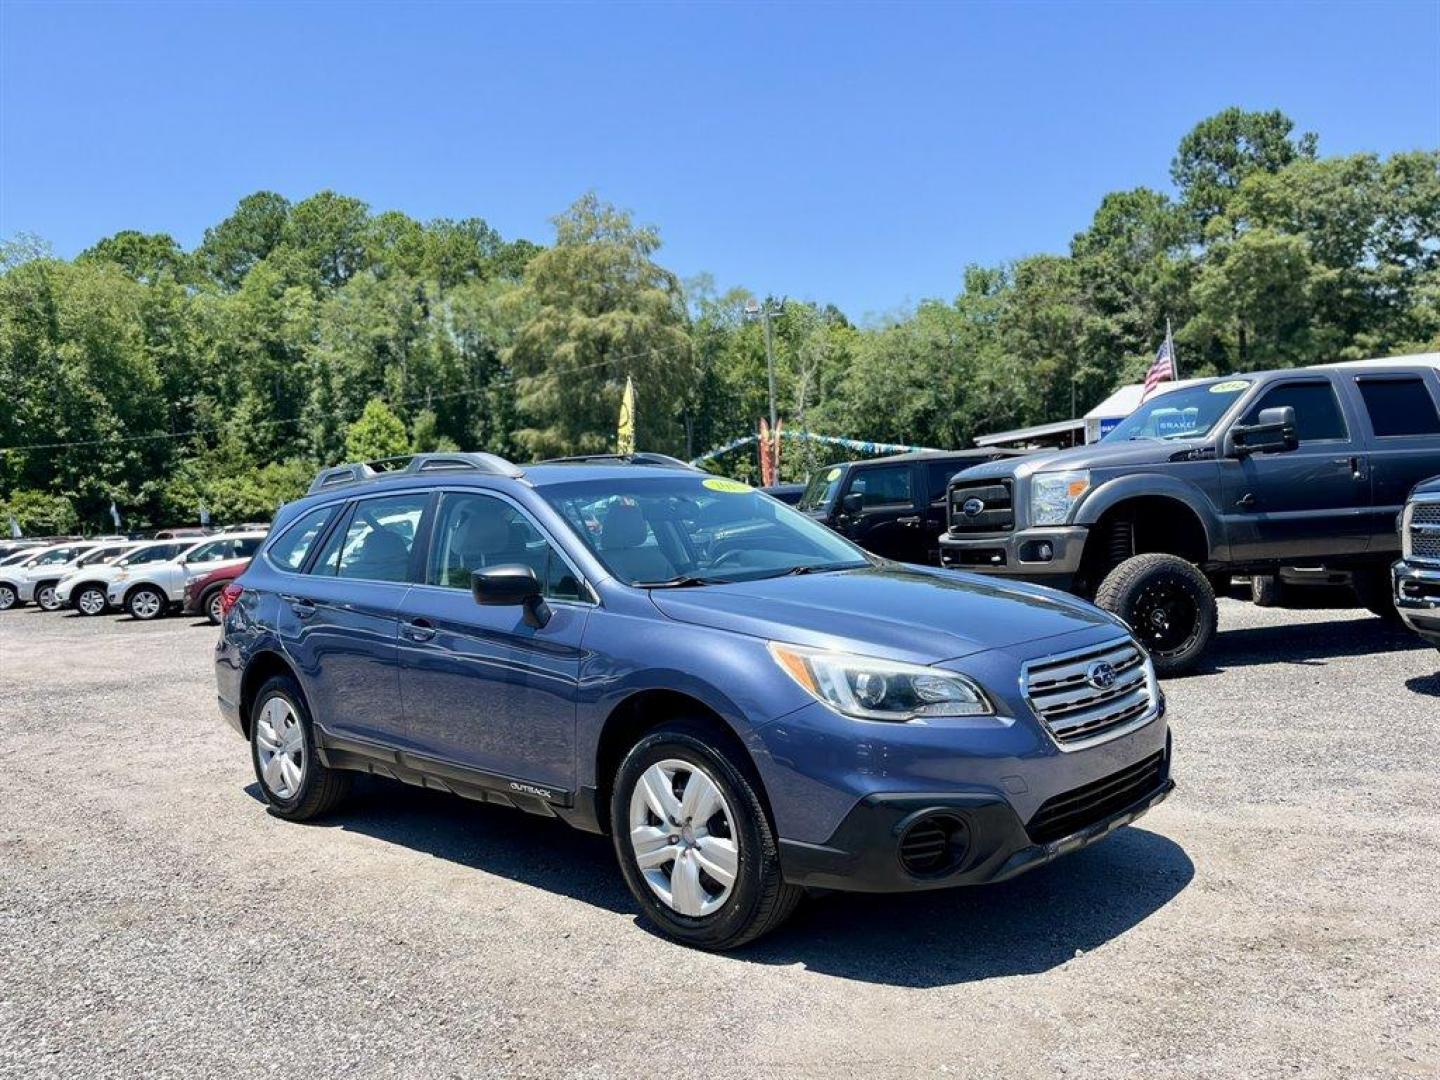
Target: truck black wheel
x=1266 y=590
x=694 y=841
x=1169 y=604
x=1372 y=589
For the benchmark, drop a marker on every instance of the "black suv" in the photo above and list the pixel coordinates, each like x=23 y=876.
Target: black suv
x=892 y=506
x=1240 y=474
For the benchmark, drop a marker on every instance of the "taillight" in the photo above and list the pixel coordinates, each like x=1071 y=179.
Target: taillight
x=228 y=596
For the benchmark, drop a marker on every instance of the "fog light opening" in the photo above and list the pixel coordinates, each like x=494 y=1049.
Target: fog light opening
x=934 y=844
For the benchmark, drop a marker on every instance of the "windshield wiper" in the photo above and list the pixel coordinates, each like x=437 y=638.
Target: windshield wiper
x=685 y=581
x=820 y=568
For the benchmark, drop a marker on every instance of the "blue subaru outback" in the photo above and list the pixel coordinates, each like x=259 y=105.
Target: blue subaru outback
x=750 y=705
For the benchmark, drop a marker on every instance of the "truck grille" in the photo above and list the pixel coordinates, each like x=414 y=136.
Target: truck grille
x=1082 y=695
x=996 y=511
x=1424 y=529
x=1080 y=807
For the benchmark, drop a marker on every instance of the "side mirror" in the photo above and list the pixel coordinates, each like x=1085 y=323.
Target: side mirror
x=852 y=503
x=1272 y=433
x=512 y=585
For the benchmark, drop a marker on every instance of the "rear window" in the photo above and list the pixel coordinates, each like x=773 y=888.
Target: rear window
x=1399 y=407
x=289 y=551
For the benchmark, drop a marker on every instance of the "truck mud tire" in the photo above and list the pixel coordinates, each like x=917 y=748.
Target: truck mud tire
x=1267 y=590
x=1169 y=604
x=1372 y=589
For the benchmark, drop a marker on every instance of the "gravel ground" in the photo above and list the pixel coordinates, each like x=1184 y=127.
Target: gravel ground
x=1277 y=917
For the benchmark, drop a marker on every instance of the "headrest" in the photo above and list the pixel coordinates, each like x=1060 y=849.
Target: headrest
x=624 y=527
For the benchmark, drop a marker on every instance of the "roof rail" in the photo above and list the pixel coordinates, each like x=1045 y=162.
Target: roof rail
x=642 y=458
x=357 y=472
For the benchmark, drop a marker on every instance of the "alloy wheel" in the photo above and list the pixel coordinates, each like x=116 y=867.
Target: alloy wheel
x=683 y=837
x=215 y=609
x=7 y=597
x=280 y=747
x=91 y=602
x=145 y=604
x=1166 y=616
x=46 y=598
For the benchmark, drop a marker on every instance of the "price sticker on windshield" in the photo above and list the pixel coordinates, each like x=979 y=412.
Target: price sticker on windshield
x=729 y=487
x=1229 y=387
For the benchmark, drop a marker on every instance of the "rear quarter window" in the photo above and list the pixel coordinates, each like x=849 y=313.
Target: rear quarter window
x=290 y=548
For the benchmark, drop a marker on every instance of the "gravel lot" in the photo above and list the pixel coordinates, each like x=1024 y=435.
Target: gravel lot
x=1278 y=917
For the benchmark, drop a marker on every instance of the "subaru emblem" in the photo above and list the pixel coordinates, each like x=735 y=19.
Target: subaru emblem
x=971 y=507
x=1101 y=675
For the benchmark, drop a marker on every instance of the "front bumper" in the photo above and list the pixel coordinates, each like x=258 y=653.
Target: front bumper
x=1049 y=555
x=1416 y=590
x=991 y=844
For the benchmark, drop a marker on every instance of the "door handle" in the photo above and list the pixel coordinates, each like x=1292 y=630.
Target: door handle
x=1357 y=470
x=1247 y=500
x=417 y=630
x=912 y=521
x=300 y=605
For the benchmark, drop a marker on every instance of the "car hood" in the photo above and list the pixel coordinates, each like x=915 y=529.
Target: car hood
x=912 y=613
x=105 y=572
x=1095 y=456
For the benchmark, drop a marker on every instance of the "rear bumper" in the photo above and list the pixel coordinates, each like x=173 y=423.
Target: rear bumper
x=1050 y=556
x=1417 y=598
x=990 y=842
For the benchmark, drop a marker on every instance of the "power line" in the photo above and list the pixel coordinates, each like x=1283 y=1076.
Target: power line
x=160 y=435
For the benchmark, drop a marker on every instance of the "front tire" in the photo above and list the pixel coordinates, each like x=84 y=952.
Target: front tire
x=90 y=600
x=694 y=842
x=146 y=603
x=46 y=598
x=1169 y=604
x=211 y=606
x=9 y=598
x=296 y=786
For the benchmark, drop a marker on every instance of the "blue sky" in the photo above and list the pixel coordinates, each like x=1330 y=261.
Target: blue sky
x=856 y=154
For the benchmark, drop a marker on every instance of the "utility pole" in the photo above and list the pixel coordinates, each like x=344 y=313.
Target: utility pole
x=754 y=310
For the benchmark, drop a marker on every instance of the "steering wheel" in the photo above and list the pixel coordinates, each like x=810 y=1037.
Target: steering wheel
x=725 y=556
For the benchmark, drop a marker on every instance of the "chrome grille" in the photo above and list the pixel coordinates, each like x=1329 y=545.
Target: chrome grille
x=997 y=507
x=1069 y=695
x=1422 y=530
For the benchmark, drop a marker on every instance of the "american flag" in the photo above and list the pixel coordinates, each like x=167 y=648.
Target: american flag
x=1163 y=368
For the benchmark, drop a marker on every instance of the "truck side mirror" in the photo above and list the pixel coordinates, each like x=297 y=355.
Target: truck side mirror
x=1272 y=433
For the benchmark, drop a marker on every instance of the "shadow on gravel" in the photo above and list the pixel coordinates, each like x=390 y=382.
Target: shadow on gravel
x=1304 y=643
x=1429 y=685
x=1020 y=927
x=1027 y=925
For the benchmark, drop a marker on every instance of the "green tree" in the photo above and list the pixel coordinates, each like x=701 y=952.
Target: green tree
x=38 y=513
x=599 y=309
x=231 y=249
x=378 y=433
x=1217 y=155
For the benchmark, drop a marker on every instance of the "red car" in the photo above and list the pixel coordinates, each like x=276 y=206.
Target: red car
x=202 y=595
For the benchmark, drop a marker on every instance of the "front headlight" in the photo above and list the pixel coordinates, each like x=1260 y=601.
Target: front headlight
x=1053 y=494
x=868 y=688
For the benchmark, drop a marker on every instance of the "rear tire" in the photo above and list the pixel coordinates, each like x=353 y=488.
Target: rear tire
x=1372 y=589
x=9 y=598
x=146 y=603
x=210 y=604
x=1266 y=590
x=1169 y=605
x=296 y=786
x=756 y=899
x=46 y=598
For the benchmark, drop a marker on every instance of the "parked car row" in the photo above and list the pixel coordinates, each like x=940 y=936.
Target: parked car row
x=145 y=578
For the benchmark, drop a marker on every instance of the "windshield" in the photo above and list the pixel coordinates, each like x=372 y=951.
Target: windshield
x=820 y=491
x=99 y=555
x=18 y=557
x=690 y=529
x=158 y=553
x=1190 y=413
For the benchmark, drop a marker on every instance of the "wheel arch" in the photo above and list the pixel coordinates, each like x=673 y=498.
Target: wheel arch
x=644 y=710
x=1146 y=523
x=80 y=588
x=259 y=669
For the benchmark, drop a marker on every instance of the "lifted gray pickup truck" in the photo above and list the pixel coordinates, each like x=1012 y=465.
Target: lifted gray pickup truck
x=1241 y=474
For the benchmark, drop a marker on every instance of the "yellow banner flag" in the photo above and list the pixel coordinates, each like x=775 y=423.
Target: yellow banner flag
x=625 y=440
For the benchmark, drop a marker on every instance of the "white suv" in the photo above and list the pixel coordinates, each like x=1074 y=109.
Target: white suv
x=83 y=586
x=149 y=587
x=44 y=567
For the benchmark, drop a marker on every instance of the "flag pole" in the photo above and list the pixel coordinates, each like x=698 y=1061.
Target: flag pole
x=1170 y=341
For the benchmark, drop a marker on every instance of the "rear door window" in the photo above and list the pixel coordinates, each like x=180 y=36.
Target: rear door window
x=1399 y=407
x=1317 y=411
x=375 y=543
